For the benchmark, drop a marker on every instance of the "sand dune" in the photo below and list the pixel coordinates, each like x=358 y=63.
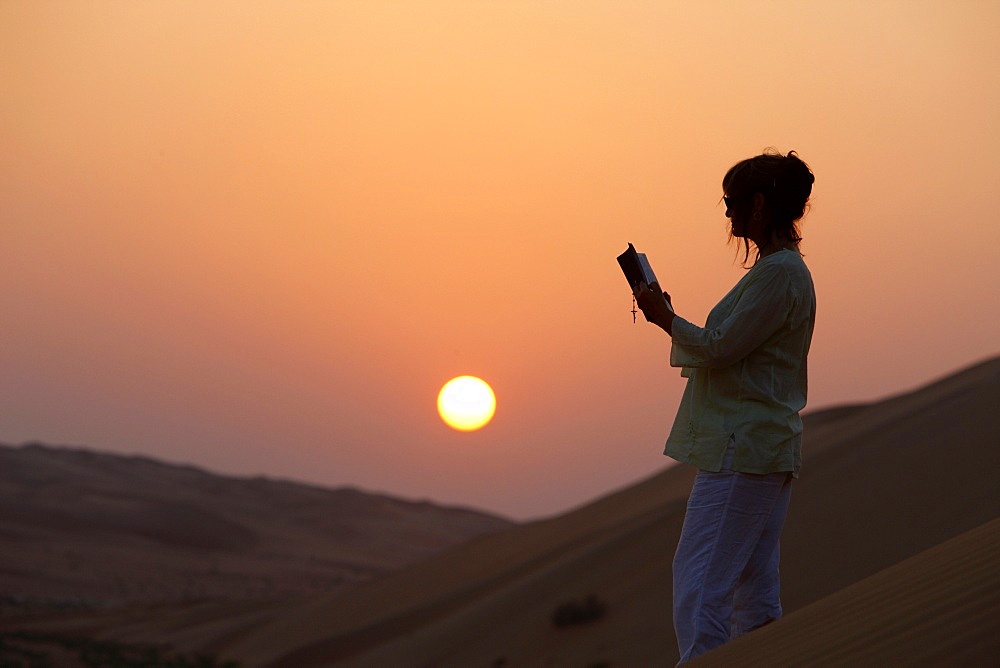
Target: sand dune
x=935 y=609
x=881 y=483
x=101 y=529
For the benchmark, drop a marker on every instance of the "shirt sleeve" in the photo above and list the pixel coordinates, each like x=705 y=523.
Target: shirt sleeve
x=760 y=311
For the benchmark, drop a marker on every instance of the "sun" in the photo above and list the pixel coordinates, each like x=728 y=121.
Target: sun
x=466 y=403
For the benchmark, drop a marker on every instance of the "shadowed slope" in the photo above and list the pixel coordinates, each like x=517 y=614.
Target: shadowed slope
x=891 y=480
x=341 y=625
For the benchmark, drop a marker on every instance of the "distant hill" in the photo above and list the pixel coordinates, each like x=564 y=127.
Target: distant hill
x=881 y=483
x=90 y=528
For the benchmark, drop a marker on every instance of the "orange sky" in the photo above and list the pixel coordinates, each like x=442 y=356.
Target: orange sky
x=259 y=236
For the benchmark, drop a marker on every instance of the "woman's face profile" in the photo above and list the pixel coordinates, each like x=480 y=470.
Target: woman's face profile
x=738 y=211
x=735 y=212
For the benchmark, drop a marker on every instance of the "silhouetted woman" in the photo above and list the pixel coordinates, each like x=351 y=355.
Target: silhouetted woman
x=738 y=421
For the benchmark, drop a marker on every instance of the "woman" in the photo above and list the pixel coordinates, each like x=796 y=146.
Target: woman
x=738 y=421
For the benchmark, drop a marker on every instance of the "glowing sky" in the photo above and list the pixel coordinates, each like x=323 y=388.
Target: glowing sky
x=260 y=236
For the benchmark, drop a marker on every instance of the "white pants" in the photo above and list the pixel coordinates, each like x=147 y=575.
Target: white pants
x=726 y=564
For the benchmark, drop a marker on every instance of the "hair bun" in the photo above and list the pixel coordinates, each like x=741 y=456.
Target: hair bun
x=799 y=168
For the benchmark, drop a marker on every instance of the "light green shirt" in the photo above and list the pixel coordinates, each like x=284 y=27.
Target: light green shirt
x=746 y=371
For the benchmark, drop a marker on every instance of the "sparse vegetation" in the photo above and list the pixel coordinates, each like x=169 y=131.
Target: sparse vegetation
x=573 y=613
x=24 y=649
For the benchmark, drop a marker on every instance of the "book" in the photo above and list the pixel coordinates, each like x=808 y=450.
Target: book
x=636 y=267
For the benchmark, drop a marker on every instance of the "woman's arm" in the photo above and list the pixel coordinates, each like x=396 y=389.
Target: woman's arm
x=762 y=309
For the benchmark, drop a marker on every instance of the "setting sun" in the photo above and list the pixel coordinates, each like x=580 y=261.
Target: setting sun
x=466 y=403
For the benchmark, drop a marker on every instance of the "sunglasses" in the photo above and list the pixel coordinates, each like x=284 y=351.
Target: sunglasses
x=731 y=201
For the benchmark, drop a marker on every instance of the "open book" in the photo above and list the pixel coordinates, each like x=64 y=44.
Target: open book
x=636 y=267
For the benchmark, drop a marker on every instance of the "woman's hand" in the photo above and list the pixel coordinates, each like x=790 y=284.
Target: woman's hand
x=655 y=305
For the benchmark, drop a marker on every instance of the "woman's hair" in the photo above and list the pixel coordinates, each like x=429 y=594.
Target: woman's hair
x=785 y=181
